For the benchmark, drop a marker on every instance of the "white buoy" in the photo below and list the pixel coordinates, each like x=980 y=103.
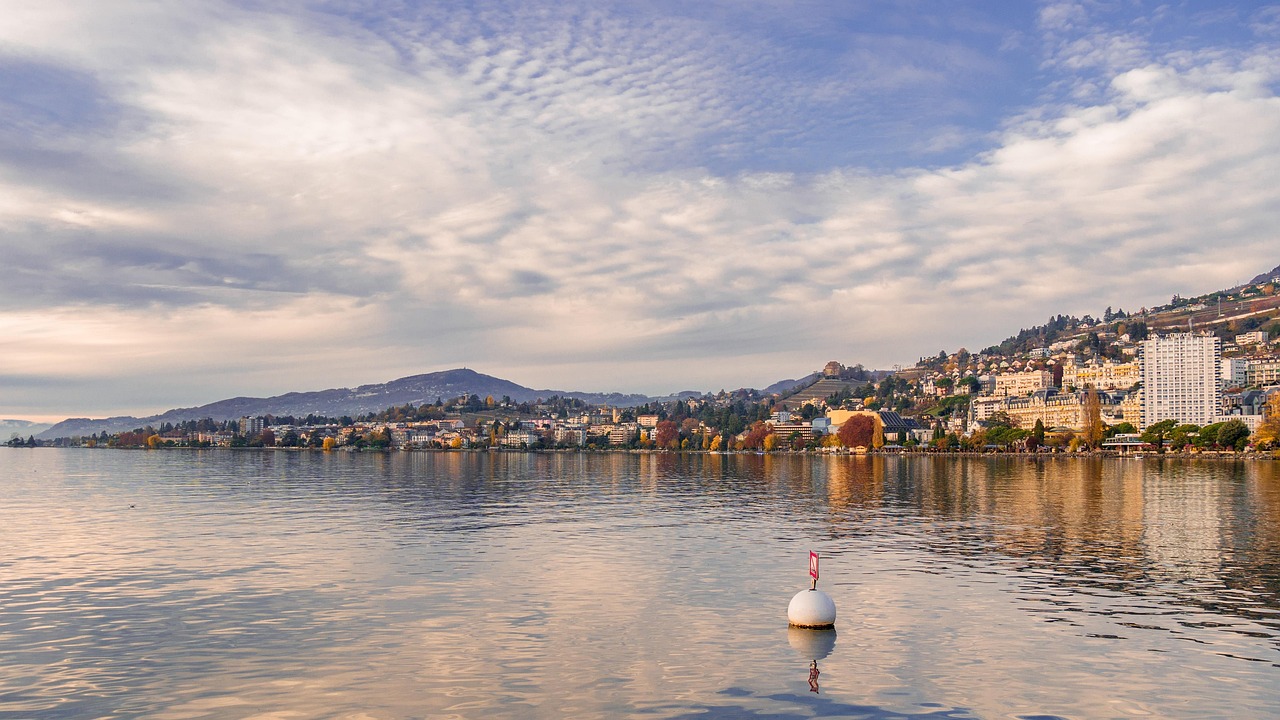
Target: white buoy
x=812 y=608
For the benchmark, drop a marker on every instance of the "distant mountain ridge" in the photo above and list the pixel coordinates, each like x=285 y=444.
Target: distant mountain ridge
x=412 y=390
x=9 y=428
x=1267 y=277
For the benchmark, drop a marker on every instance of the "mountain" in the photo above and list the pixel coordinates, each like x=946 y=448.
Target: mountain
x=1267 y=277
x=21 y=428
x=412 y=390
x=783 y=386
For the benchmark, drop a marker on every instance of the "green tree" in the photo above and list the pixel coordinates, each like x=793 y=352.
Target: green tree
x=1233 y=434
x=1124 y=428
x=1157 y=434
x=1182 y=435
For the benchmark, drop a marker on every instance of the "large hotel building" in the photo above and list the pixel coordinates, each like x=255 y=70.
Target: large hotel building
x=1181 y=378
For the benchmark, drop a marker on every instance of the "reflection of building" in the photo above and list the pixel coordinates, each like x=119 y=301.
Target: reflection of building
x=1183 y=526
x=1180 y=378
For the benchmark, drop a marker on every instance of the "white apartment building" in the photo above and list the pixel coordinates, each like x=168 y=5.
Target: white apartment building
x=1181 y=378
x=1235 y=371
x=1022 y=383
x=1257 y=337
x=1103 y=376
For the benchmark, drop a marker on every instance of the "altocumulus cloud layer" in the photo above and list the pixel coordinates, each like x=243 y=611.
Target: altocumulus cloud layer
x=206 y=199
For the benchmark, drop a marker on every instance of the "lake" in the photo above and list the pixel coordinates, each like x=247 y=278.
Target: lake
x=244 y=584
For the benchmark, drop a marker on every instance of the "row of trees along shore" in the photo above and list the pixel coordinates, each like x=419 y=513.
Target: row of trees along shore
x=740 y=422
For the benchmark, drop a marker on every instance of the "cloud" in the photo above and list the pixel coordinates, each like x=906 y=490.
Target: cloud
x=595 y=198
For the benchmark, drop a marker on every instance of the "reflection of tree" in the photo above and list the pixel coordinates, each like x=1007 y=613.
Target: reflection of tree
x=1168 y=529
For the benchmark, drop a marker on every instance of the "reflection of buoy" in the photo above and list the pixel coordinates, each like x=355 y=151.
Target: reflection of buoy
x=810 y=643
x=812 y=608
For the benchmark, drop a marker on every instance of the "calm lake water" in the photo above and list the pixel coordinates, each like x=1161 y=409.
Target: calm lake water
x=225 y=584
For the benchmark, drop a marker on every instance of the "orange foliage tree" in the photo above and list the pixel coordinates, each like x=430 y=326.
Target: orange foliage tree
x=857 y=431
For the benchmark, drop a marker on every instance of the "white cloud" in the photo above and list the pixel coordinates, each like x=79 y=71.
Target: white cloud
x=503 y=192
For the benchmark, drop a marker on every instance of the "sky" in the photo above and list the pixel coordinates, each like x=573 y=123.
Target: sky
x=202 y=200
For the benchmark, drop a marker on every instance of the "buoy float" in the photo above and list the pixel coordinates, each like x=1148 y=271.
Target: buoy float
x=812 y=608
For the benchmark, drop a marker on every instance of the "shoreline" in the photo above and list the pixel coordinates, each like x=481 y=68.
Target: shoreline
x=1146 y=455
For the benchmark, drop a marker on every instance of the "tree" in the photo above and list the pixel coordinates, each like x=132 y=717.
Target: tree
x=857 y=431
x=1181 y=436
x=330 y=443
x=1269 y=431
x=1092 y=411
x=1124 y=428
x=755 y=437
x=1037 y=434
x=667 y=434
x=1233 y=434
x=1157 y=433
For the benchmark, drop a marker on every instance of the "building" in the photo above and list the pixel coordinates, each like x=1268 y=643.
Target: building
x=250 y=426
x=1263 y=371
x=1257 y=337
x=1056 y=409
x=1235 y=371
x=982 y=408
x=901 y=429
x=785 y=430
x=1181 y=378
x=1103 y=376
x=1022 y=383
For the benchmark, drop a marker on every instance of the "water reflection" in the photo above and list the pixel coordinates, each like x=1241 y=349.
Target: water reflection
x=512 y=585
x=812 y=645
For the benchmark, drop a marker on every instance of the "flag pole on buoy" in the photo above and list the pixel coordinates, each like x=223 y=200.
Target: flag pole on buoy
x=812 y=608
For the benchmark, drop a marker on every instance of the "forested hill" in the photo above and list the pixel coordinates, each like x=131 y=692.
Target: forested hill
x=1254 y=305
x=412 y=390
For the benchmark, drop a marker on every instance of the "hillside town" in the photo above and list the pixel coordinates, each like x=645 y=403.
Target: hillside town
x=1196 y=375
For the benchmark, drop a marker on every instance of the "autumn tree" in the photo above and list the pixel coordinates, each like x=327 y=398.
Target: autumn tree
x=857 y=431
x=1093 y=428
x=667 y=434
x=1268 y=434
x=756 y=435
